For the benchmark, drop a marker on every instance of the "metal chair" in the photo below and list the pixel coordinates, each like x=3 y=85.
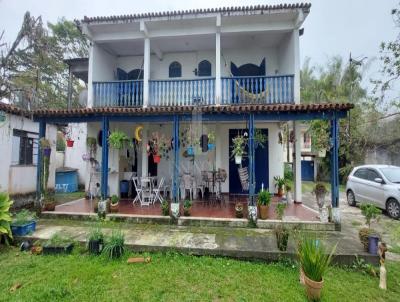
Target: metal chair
x=220 y=179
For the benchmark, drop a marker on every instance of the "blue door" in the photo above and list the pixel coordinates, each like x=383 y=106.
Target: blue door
x=307 y=170
x=261 y=163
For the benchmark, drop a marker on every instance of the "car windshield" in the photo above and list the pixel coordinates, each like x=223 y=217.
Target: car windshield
x=392 y=174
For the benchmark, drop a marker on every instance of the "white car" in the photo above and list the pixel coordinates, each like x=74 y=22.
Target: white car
x=376 y=184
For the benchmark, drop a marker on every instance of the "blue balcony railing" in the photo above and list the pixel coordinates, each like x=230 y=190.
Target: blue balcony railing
x=118 y=94
x=182 y=92
x=260 y=90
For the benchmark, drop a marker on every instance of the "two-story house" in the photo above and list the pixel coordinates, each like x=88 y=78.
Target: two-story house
x=183 y=85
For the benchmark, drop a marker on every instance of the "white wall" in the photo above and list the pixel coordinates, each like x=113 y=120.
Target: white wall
x=18 y=179
x=104 y=64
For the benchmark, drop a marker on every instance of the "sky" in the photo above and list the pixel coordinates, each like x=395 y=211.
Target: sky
x=333 y=27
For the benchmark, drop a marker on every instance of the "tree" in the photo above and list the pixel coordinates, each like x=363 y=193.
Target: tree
x=36 y=76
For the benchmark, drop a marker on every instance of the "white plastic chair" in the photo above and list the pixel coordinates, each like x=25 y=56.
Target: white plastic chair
x=138 y=189
x=157 y=194
x=147 y=195
x=188 y=185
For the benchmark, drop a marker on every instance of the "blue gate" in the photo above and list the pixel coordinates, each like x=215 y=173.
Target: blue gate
x=307 y=170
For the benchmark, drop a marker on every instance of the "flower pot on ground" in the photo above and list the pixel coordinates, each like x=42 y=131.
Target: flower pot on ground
x=239 y=210
x=371 y=214
x=5 y=218
x=279 y=184
x=58 y=244
x=114 y=204
x=281 y=232
x=165 y=208
x=264 y=200
x=23 y=223
x=314 y=261
x=187 y=205
x=373 y=241
x=238 y=148
x=95 y=241
x=114 y=245
x=49 y=202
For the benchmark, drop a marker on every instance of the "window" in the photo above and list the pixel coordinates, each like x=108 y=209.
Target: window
x=204 y=69
x=372 y=174
x=392 y=174
x=361 y=173
x=24 y=148
x=175 y=70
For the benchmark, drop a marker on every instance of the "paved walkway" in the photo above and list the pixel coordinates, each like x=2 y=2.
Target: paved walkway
x=233 y=242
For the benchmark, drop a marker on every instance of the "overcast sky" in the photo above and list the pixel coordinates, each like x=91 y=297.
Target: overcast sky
x=333 y=27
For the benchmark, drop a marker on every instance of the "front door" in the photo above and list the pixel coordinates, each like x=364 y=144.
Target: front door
x=261 y=164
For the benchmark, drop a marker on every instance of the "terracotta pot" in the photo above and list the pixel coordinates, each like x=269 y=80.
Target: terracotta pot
x=280 y=192
x=114 y=207
x=70 y=143
x=313 y=288
x=264 y=212
x=50 y=206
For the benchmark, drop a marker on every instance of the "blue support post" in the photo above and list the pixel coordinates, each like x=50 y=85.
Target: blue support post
x=335 y=162
x=176 y=158
x=251 y=160
x=104 y=157
x=39 y=166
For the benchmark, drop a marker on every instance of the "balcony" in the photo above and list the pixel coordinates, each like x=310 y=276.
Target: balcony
x=234 y=90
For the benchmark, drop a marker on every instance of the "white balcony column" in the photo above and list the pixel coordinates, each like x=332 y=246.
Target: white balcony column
x=146 y=72
x=145 y=157
x=296 y=49
x=218 y=62
x=90 y=94
x=297 y=161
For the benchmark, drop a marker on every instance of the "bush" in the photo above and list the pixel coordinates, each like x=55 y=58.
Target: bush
x=114 y=247
x=5 y=217
x=23 y=217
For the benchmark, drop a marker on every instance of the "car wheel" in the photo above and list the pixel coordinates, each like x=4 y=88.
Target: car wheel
x=351 y=199
x=393 y=208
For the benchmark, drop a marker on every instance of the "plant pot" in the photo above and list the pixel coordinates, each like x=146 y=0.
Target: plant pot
x=252 y=212
x=211 y=146
x=156 y=159
x=54 y=250
x=238 y=159
x=363 y=235
x=282 y=238
x=373 y=244
x=186 y=212
x=239 y=211
x=47 y=152
x=175 y=209
x=280 y=192
x=313 y=288
x=70 y=143
x=95 y=247
x=49 y=206
x=95 y=206
x=190 y=151
x=114 y=207
x=24 y=229
x=264 y=212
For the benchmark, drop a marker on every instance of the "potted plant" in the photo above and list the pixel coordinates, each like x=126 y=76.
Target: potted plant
x=45 y=146
x=5 y=218
x=153 y=147
x=264 y=200
x=211 y=140
x=58 y=244
x=114 y=246
x=23 y=223
x=49 y=202
x=95 y=241
x=187 y=204
x=289 y=196
x=366 y=234
x=320 y=192
x=314 y=262
x=239 y=210
x=281 y=233
x=114 y=204
x=260 y=138
x=238 y=148
x=91 y=143
x=165 y=208
x=279 y=184
x=70 y=142
x=118 y=140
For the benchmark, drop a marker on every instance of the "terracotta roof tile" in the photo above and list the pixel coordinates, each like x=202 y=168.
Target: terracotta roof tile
x=13 y=110
x=133 y=17
x=188 y=109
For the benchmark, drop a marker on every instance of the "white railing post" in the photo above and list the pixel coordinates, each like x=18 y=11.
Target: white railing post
x=146 y=72
x=218 y=62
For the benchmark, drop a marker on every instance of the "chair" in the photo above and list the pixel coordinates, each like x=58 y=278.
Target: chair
x=138 y=190
x=220 y=179
x=147 y=194
x=188 y=185
x=157 y=195
x=200 y=187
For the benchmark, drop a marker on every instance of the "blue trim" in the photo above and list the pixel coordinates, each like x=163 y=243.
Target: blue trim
x=42 y=133
x=175 y=135
x=251 y=160
x=335 y=162
x=104 y=158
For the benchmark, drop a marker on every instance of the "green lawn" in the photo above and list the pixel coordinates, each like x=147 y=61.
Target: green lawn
x=65 y=197
x=174 y=277
x=308 y=186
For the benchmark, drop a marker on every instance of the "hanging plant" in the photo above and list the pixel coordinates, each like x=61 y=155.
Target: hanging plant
x=260 y=138
x=91 y=142
x=45 y=146
x=189 y=140
x=211 y=140
x=118 y=140
x=238 y=148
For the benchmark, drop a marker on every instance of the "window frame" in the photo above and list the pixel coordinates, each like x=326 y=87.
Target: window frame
x=26 y=156
x=209 y=65
x=365 y=170
x=175 y=70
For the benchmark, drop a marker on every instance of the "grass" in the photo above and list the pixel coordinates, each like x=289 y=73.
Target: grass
x=175 y=277
x=308 y=186
x=66 y=197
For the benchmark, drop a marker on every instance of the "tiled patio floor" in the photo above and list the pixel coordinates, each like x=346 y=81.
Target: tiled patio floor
x=200 y=208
